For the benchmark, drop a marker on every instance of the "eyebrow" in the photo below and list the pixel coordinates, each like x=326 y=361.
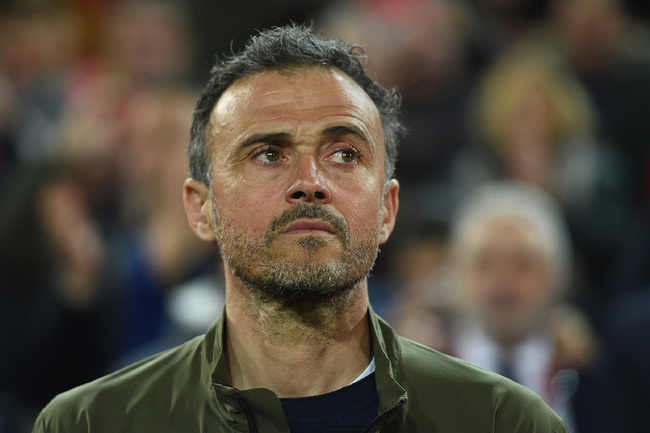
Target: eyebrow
x=341 y=130
x=332 y=131
x=266 y=138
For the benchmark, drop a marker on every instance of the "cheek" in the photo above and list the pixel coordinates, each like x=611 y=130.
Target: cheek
x=243 y=209
x=253 y=176
x=363 y=217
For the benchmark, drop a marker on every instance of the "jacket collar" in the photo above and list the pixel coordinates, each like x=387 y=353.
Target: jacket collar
x=236 y=407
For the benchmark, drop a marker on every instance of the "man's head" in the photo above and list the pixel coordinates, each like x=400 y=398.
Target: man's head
x=283 y=49
x=512 y=254
x=292 y=176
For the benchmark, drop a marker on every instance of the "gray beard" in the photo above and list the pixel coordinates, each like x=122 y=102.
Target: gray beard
x=270 y=278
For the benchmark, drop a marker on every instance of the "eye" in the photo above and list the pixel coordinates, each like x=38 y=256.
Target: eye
x=346 y=156
x=268 y=155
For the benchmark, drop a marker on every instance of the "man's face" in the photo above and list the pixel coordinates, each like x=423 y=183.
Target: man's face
x=298 y=198
x=509 y=284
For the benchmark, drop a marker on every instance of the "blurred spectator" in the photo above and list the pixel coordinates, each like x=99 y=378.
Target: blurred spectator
x=52 y=299
x=50 y=66
x=610 y=52
x=512 y=261
x=534 y=123
x=40 y=47
x=149 y=43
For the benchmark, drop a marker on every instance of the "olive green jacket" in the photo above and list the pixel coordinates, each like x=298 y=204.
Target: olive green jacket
x=184 y=390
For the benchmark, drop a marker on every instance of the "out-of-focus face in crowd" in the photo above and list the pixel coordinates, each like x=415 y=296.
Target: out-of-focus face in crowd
x=590 y=30
x=507 y=279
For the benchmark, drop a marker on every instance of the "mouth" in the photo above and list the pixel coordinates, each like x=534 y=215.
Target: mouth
x=307 y=221
x=309 y=227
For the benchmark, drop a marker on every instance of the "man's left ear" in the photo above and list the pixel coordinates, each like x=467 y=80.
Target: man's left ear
x=196 y=197
x=391 y=203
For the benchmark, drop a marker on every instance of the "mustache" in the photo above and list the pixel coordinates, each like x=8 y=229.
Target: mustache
x=307 y=210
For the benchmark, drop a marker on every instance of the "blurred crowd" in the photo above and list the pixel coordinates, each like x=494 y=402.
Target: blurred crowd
x=523 y=236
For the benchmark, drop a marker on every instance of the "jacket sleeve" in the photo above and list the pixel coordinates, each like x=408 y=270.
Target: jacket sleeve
x=49 y=421
x=561 y=428
x=521 y=411
x=39 y=425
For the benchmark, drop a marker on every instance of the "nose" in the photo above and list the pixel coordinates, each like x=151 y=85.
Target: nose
x=308 y=182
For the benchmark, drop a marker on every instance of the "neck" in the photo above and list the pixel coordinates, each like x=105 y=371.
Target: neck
x=296 y=351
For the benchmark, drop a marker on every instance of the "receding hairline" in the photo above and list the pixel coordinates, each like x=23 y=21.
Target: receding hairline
x=289 y=71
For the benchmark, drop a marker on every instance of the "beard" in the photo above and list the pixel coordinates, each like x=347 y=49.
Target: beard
x=272 y=277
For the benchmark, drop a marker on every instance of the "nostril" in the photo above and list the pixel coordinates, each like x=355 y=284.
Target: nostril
x=319 y=195
x=298 y=194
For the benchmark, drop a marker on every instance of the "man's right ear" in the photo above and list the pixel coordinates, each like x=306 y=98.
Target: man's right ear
x=196 y=197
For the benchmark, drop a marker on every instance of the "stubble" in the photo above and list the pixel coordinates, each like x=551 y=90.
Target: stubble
x=288 y=281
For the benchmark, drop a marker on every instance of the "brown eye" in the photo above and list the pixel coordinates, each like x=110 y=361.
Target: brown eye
x=346 y=156
x=268 y=156
x=272 y=155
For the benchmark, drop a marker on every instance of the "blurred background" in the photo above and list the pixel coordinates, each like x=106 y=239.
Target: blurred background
x=523 y=236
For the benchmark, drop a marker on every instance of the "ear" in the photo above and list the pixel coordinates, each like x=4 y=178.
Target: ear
x=389 y=214
x=198 y=206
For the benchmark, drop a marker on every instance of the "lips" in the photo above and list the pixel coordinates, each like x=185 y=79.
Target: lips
x=307 y=220
x=308 y=226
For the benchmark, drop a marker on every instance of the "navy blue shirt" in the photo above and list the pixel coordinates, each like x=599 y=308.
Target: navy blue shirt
x=348 y=409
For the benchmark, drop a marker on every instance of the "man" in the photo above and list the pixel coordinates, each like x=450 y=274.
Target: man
x=292 y=155
x=512 y=258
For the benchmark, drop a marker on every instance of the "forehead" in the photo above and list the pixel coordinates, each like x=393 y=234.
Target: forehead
x=295 y=98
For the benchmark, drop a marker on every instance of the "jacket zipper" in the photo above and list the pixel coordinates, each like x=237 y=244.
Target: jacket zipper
x=252 y=425
x=384 y=413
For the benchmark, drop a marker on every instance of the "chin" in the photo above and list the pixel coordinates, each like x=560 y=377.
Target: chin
x=300 y=295
x=292 y=281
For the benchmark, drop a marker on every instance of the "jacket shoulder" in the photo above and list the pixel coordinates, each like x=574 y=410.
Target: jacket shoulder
x=157 y=382
x=467 y=394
